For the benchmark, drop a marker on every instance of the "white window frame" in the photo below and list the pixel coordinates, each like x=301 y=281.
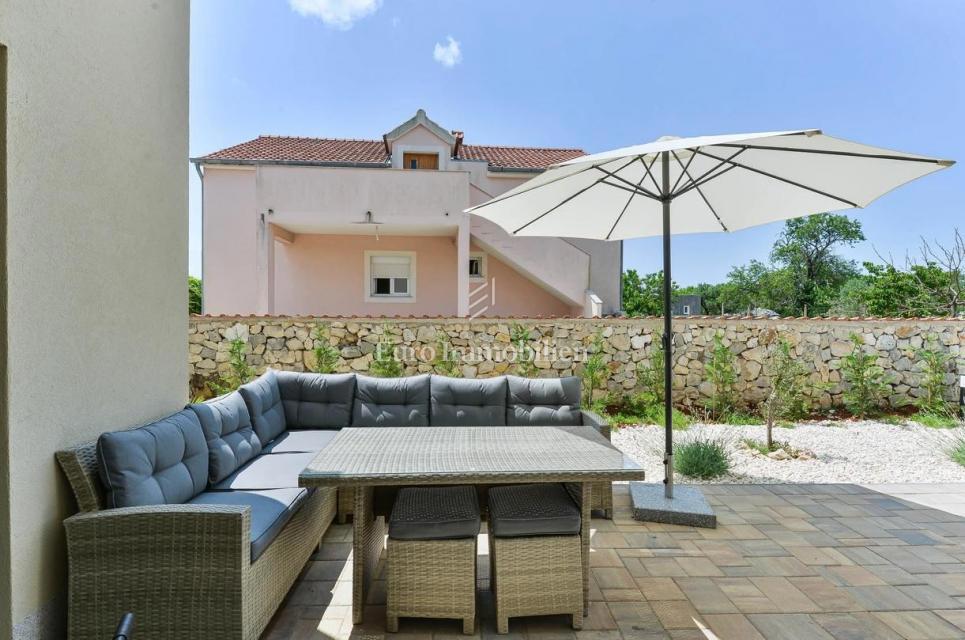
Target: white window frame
x=367 y=284
x=483 y=266
x=686 y=309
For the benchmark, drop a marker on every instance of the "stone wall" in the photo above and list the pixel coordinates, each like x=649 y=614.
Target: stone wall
x=484 y=348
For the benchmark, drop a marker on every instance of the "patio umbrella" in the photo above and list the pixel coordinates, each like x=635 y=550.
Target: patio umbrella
x=699 y=185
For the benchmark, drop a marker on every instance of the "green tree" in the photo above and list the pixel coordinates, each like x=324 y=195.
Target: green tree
x=895 y=292
x=643 y=295
x=385 y=364
x=806 y=248
x=239 y=371
x=194 y=294
x=520 y=336
x=326 y=356
x=650 y=371
x=786 y=397
x=594 y=369
x=721 y=370
x=866 y=380
x=445 y=362
x=933 y=362
x=757 y=284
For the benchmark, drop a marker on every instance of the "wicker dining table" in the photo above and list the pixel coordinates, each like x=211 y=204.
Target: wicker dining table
x=369 y=457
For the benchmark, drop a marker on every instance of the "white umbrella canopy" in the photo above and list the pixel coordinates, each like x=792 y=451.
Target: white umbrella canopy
x=699 y=185
x=717 y=183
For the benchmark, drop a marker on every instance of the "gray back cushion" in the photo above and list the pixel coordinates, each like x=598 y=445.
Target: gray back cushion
x=227 y=428
x=317 y=400
x=543 y=401
x=165 y=462
x=263 y=400
x=391 y=402
x=467 y=402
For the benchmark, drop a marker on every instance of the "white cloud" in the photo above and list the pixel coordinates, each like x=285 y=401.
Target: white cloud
x=448 y=55
x=340 y=14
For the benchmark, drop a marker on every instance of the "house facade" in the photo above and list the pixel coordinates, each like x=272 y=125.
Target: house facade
x=315 y=226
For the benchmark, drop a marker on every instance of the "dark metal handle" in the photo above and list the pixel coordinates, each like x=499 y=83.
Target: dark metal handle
x=125 y=629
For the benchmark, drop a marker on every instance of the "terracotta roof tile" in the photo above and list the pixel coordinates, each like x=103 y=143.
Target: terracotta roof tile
x=324 y=150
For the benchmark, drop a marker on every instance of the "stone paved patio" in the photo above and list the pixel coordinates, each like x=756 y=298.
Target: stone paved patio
x=788 y=562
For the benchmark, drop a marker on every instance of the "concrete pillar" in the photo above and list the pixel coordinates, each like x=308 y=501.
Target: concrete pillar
x=462 y=262
x=265 y=265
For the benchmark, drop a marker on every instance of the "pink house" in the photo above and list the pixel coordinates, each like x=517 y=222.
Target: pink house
x=318 y=226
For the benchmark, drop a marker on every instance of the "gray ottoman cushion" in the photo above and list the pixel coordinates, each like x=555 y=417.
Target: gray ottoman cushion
x=165 y=462
x=546 y=402
x=316 y=400
x=435 y=513
x=391 y=402
x=518 y=511
x=231 y=438
x=270 y=511
x=300 y=441
x=276 y=471
x=263 y=400
x=467 y=402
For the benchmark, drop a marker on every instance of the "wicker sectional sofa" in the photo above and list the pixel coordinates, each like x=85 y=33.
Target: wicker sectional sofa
x=196 y=522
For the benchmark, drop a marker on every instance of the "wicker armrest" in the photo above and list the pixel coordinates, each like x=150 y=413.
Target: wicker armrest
x=595 y=420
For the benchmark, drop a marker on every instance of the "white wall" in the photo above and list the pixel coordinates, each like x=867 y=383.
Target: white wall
x=96 y=258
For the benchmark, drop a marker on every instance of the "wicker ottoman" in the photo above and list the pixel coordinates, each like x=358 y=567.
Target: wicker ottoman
x=535 y=548
x=431 y=555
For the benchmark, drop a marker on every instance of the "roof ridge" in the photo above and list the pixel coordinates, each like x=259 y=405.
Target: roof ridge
x=285 y=137
x=504 y=146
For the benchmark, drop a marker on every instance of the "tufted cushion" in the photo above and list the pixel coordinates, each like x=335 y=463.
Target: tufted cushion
x=227 y=428
x=165 y=462
x=391 y=402
x=316 y=400
x=263 y=400
x=548 y=402
x=271 y=509
x=467 y=402
x=532 y=510
x=435 y=513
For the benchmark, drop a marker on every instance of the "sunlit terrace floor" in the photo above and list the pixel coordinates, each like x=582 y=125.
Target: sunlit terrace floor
x=786 y=562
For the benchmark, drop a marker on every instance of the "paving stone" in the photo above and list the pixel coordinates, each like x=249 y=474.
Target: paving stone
x=920 y=625
x=732 y=625
x=789 y=626
x=855 y=626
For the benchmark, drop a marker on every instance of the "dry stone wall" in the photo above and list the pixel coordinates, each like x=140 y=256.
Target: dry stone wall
x=484 y=348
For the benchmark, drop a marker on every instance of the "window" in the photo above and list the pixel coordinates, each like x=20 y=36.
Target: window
x=390 y=276
x=420 y=160
x=686 y=309
x=477 y=265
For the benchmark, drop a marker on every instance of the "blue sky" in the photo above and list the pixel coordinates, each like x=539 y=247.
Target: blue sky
x=598 y=75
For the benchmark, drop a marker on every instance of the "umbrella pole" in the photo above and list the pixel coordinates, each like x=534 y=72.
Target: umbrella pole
x=667 y=334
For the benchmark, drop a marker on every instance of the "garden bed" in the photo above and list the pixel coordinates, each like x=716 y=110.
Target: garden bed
x=848 y=451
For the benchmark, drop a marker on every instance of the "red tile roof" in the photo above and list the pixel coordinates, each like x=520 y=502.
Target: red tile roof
x=332 y=150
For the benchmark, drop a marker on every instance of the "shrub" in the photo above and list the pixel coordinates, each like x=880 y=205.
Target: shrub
x=721 y=369
x=788 y=378
x=641 y=409
x=326 y=356
x=594 y=369
x=385 y=364
x=957 y=451
x=445 y=362
x=933 y=363
x=194 y=294
x=650 y=371
x=704 y=458
x=866 y=380
x=525 y=356
x=240 y=371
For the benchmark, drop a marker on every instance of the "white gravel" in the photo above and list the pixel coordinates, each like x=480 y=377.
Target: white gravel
x=846 y=451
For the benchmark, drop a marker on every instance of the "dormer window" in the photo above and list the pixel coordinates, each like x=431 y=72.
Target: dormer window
x=420 y=160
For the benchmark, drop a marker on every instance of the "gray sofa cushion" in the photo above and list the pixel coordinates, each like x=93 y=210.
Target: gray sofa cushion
x=316 y=400
x=546 y=402
x=276 y=471
x=165 y=462
x=391 y=402
x=300 y=441
x=467 y=402
x=518 y=511
x=263 y=400
x=270 y=511
x=227 y=428
x=435 y=513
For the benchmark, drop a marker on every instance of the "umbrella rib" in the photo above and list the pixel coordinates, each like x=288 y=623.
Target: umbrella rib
x=703 y=178
x=636 y=188
x=785 y=180
x=699 y=191
x=682 y=173
x=854 y=154
x=629 y=200
x=568 y=198
x=650 y=166
x=519 y=193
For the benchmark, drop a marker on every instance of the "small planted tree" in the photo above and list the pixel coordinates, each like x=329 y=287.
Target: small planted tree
x=445 y=362
x=933 y=362
x=239 y=371
x=721 y=370
x=520 y=336
x=650 y=372
x=385 y=364
x=866 y=380
x=594 y=369
x=786 y=397
x=326 y=356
